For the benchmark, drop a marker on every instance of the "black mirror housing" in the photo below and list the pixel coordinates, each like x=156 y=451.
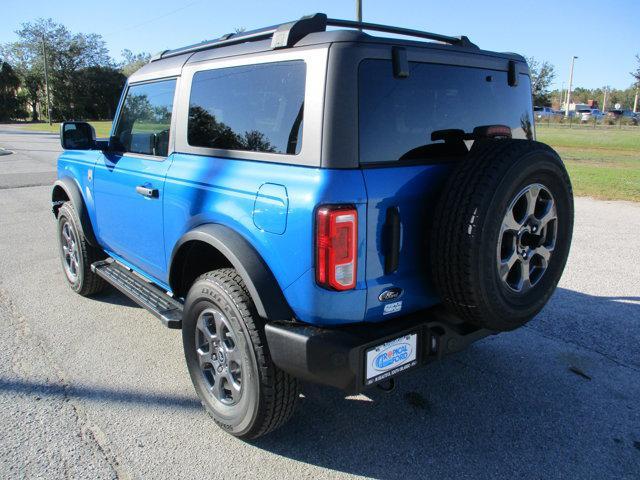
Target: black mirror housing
x=77 y=136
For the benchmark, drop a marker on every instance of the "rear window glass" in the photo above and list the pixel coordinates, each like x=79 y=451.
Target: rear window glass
x=423 y=116
x=256 y=107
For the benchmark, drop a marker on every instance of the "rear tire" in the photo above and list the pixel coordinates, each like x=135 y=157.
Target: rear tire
x=502 y=232
x=228 y=358
x=77 y=254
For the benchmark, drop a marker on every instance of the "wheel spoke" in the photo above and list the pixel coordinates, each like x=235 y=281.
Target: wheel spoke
x=233 y=354
x=218 y=389
x=549 y=215
x=525 y=279
x=532 y=197
x=510 y=223
x=204 y=357
x=233 y=386
x=506 y=265
x=544 y=252
x=65 y=233
x=204 y=327
x=220 y=326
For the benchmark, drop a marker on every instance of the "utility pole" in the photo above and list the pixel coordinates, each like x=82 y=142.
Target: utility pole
x=359 y=11
x=566 y=111
x=635 y=101
x=46 y=79
x=604 y=100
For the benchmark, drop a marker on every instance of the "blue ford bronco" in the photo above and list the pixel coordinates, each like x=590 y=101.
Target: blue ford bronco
x=317 y=205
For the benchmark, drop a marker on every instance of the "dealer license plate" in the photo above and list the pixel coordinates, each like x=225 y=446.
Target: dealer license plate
x=390 y=358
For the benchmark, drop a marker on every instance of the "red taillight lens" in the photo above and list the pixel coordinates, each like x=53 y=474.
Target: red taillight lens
x=336 y=247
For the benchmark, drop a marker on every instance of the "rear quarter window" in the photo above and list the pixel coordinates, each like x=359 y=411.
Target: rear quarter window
x=399 y=116
x=252 y=108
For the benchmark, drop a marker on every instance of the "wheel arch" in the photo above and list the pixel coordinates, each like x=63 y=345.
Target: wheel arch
x=223 y=247
x=66 y=189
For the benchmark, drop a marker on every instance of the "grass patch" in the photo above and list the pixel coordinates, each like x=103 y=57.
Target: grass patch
x=602 y=163
x=103 y=128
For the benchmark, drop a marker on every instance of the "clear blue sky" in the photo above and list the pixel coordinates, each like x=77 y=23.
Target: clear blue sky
x=604 y=34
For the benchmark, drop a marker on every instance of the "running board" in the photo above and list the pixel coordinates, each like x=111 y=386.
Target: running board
x=144 y=293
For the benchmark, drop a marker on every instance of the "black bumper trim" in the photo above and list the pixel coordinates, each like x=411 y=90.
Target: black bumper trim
x=334 y=356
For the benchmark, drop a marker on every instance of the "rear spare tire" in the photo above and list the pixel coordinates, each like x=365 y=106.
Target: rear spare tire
x=501 y=233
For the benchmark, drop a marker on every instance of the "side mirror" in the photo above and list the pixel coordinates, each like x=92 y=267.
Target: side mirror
x=77 y=136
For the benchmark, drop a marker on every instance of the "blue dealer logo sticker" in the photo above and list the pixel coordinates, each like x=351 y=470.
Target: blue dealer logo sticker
x=394 y=355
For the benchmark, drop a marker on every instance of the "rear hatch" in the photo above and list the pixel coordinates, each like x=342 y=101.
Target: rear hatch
x=410 y=137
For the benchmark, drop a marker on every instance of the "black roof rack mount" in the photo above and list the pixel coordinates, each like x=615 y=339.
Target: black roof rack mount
x=287 y=34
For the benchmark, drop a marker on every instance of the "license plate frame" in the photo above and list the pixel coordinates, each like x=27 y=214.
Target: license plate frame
x=391 y=357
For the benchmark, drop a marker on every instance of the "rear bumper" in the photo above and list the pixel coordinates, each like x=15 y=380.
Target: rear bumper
x=335 y=356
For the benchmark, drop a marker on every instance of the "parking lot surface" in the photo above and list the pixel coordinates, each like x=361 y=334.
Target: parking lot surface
x=97 y=388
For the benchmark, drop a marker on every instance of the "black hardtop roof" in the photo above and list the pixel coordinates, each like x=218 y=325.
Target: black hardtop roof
x=308 y=31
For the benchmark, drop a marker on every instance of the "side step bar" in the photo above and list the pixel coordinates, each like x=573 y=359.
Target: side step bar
x=144 y=293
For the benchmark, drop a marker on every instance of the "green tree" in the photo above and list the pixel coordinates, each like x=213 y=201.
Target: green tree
x=133 y=61
x=66 y=53
x=11 y=103
x=542 y=74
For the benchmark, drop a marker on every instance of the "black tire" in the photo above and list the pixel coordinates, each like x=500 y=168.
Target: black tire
x=466 y=232
x=81 y=280
x=267 y=395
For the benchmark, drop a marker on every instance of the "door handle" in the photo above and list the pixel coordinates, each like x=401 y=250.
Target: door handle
x=147 y=192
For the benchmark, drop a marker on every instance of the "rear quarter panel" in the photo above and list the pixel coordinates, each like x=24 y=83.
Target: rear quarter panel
x=225 y=193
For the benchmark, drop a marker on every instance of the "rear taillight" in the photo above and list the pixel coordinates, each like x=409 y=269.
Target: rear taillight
x=336 y=247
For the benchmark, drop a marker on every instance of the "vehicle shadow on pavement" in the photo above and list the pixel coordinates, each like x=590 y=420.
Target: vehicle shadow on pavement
x=114 y=297
x=112 y=395
x=540 y=402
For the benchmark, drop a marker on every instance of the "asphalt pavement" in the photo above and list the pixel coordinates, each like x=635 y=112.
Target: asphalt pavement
x=97 y=388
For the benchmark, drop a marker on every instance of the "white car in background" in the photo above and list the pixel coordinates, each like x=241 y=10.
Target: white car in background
x=592 y=113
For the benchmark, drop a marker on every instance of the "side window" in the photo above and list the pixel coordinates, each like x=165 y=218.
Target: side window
x=255 y=107
x=145 y=119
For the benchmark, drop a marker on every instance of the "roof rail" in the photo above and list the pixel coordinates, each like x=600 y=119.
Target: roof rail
x=287 y=34
x=461 y=41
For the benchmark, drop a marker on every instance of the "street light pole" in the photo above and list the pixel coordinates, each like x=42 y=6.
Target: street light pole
x=46 y=79
x=566 y=110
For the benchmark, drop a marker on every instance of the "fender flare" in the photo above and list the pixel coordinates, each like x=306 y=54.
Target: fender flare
x=74 y=194
x=262 y=285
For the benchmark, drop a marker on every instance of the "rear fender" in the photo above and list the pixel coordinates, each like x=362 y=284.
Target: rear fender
x=258 y=278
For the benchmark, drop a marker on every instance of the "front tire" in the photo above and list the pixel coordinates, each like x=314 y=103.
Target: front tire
x=77 y=254
x=228 y=358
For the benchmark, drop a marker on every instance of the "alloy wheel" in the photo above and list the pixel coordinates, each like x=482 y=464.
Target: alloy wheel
x=70 y=253
x=219 y=357
x=527 y=238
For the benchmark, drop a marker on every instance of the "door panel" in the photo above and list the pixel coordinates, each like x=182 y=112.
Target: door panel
x=129 y=220
x=129 y=180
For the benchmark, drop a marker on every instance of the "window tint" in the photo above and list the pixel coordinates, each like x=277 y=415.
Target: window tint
x=255 y=107
x=145 y=119
x=425 y=115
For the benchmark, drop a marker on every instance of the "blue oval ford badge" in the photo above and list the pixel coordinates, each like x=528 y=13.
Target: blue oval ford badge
x=396 y=354
x=389 y=294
